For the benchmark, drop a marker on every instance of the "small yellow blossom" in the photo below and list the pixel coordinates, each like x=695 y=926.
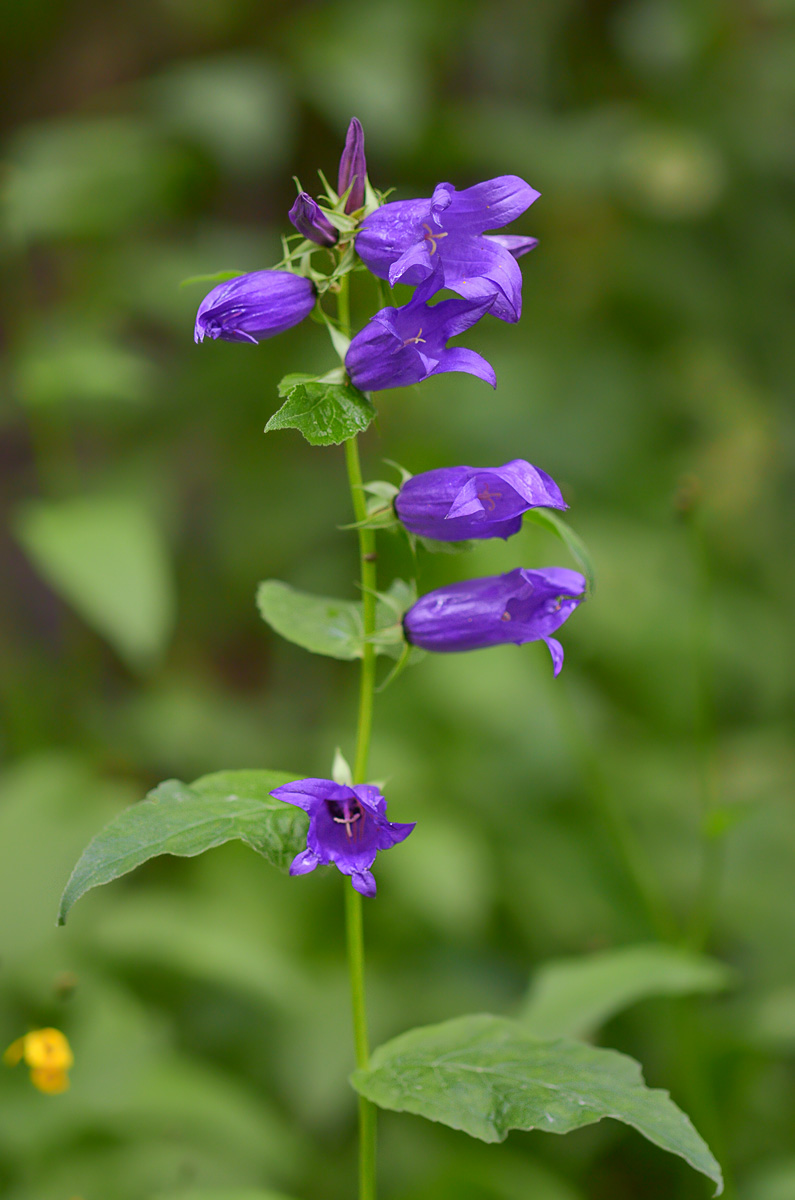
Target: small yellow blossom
x=49 y=1056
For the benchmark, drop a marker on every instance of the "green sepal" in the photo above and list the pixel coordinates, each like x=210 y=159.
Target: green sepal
x=487 y=1075
x=548 y=519
x=325 y=411
x=187 y=819
x=435 y=547
x=215 y=277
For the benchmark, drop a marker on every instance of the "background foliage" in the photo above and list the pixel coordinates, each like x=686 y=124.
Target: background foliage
x=205 y=999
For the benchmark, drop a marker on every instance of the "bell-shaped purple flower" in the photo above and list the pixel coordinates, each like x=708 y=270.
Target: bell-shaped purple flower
x=347 y=827
x=519 y=607
x=401 y=346
x=353 y=168
x=454 y=504
x=405 y=239
x=309 y=219
x=253 y=307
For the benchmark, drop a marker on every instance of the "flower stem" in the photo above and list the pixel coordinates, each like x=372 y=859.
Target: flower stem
x=353 y=901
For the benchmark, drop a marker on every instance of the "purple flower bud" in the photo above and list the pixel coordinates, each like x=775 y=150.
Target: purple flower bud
x=253 y=307
x=404 y=241
x=347 y=827
x=310 y=220
x=353 y=168
x=519 y=607
x=453 y=504
x=401 y=346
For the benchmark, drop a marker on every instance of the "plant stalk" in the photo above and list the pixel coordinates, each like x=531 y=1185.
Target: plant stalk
x=353 y=901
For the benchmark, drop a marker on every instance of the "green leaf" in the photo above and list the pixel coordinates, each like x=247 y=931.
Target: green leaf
x=107 y=557
x=487 y=1075
x=572 y=997
x=325 y=413
x=177 y=818
x=333 y=627
x=549 y=520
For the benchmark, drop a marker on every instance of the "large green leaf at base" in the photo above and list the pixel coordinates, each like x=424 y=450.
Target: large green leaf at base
x=177 y=818
x=571 y=997
x=487 y=1075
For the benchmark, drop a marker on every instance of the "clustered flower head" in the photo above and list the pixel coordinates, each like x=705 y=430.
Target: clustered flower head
x=443 y=242
x=48 y=1055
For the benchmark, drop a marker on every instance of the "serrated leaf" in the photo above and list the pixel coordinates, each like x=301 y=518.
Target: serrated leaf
x=572 y=997
x=328 y=626
x=187 y=819
x=325 y=413
x=487 y=1075
x=549 y=520
x=105 y=554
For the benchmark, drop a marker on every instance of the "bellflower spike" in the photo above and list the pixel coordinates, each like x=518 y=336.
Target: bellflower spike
x=347 y=827
x=404 y=239
x=522 y=606
x=401 y=346
x=309 y=219
x=353 y=168
x=253 y=307
x=454 y=504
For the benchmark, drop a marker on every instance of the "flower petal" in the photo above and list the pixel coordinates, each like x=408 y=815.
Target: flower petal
x=304 y=862
x=515 y=244
x=489 y=205
x=556 y=650
x=476 y=267
x=413 y=266
x=308 y=793
x=532 y=484
x=364 y=882
x=461 y=359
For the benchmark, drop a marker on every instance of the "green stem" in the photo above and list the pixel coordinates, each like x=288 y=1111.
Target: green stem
x=353 y=901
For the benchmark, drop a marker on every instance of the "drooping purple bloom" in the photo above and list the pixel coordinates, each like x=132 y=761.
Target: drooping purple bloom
x=453 y=504
x=253 y=307
x=519 y=607
x=401 y=346
x=404 y=239
x=309 y=219
x=347 y=827
x=353 y=168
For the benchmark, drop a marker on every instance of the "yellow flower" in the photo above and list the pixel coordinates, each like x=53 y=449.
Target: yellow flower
x=49 y=1056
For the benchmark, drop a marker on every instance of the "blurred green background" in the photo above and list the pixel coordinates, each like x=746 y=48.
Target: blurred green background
x=206 y=999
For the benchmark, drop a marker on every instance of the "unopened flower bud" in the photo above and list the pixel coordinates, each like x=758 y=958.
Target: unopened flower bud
x=353 y=168
x=253 y=307
x=310 y=220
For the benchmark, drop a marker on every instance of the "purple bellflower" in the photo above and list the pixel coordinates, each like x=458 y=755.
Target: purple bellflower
x=353 y=168
x=453 y=504
x=404 y=239
x=347 y=827
x=253 y=307
x=309 y=219
x=522 y=606
x=401 y=346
